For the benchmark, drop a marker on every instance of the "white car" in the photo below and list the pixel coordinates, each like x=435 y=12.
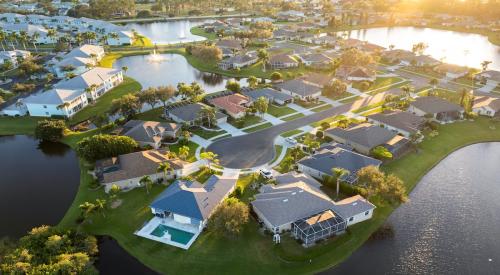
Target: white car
x=290 y=140
x=266 y=174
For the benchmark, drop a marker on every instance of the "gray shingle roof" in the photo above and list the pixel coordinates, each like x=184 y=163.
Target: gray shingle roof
x=190 y=112
x=300 y=87
x=95 y=76
x=192 y=199
x=401 y=120
x=352 y=206
x=147 y=131
x=325 y=160
x=364 y=134
x=268 y=93
x=433 y=105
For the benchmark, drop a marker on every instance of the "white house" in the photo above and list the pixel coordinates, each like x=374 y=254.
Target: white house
x=12 y=56
x=486 y=105
x=56 y=102
x=78 y=60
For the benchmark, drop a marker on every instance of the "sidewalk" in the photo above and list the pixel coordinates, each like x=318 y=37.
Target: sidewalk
x=230 y=129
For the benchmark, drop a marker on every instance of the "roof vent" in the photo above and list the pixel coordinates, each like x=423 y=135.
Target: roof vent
x=354 y=203
x=285 y=200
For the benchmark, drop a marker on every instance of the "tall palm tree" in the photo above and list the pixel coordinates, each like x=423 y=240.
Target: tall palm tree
x=23 y=36
x=51 y=33
x=208 y=113
x=147 y=182
x=338 y=174
x=34 y=38
x=13 y=38
x=485 y=64
x=263 y=56
x=164 y=167
x=184 y=152
x=407 y=90
x=252 y=81
x=3 y=35
x=100 y=205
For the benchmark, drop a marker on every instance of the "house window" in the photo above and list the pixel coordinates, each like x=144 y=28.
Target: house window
x=366 y=213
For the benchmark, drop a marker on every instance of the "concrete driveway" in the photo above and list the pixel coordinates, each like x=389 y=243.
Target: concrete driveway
x=257 y=148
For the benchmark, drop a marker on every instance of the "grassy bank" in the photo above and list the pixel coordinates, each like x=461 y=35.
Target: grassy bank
x=201 y=32
x=18 y=125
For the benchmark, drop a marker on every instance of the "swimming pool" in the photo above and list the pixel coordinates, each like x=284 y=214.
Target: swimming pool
x=177 y=235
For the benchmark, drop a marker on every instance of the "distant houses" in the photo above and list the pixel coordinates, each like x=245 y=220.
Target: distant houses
x=486 y=105
x=191 y=114
x=282 y=61
x=451 y=71
x=238 y=61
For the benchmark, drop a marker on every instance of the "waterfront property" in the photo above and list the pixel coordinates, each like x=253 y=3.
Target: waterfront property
x=327 y=158
x=356 y=73
x=238 y=61
x=77 y=61
x=149 y=133
x=126 y=170
x=365 y=136
x=437 y=108
x=404 y=123
x=183 y=209
x=234 y=104
x=272 y=95
x=451 y=71
x=191 y=113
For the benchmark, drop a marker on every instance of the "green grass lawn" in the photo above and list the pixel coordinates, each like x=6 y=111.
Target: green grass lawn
x=152 y=115
x=259 y=127
x=206 y=134
x=449 y=95
x=321 y=108
x=18 y=125
x=252 y=252
x=203 y=174
x=292 y=117
x=277 y=149
x=103 y=104
x=309 y=104
x=368 y=107
x=248 y=120
x=192 y=150
x=201 y=32
x=340 y=97
x=291 y=133
x=279 y=111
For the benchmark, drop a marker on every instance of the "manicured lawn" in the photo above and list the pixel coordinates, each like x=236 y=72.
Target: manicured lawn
x=247 y=121
x=279 y=111
x=277 y=150
x=309 y=104
x=339 y=97
x=368 y=107
x=221 y=137
x=103 y=104
x=18 y=125
x=322 y=108
x=446 y=94
x=201 y=32
x=292 y=117
x=349 y=100
x=206 y=134
x=251 y=252
x=152 y=115
x=288 y=151
x=291 y=133
x=259 y=127
x=192 y=150
x=203 y=174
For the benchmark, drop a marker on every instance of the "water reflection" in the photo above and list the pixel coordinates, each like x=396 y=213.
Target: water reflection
x=173 y=70
x=466 y=49
x=169 y=32
x=53 y=148
x=450 y=226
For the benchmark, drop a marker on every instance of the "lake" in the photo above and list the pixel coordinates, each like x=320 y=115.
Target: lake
x=169 y=32
x=450 y=226
x=173 y=70
x=39 y=183
x=466 y=49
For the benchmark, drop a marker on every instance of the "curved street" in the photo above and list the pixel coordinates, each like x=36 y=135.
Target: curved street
x=257 y=148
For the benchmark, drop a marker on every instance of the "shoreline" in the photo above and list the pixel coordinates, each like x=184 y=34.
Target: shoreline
x=176 y=18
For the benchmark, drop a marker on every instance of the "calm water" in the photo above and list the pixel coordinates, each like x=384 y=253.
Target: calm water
x=38 y=183
x=173 y=70
x=452 y=47
x=169 y=32
x=450 y=226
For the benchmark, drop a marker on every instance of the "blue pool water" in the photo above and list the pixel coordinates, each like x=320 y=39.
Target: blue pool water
x=177 y=235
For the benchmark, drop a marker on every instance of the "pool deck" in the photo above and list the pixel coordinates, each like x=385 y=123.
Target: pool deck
x=148 y=228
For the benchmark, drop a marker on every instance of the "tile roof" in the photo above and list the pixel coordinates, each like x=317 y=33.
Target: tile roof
x=231 y=103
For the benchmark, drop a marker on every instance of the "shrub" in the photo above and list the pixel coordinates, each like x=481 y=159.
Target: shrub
x=50 y=130
x=104 y=146
x=275 y=76
x=325 y=125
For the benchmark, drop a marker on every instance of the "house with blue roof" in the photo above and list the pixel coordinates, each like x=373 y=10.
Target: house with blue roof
x=183 y=209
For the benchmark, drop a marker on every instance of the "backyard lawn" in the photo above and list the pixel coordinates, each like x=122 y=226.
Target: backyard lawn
x=103 y=104
x=192 y=150
x=291 y=133
x=279 y=111
x=206 y=134
x=18 y=125
x=201 y=32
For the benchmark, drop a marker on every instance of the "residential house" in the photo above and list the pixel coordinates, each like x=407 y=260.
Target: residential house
x=490 y=78
x=238 y=61
x=272 y=95
x=127 y=170
x=424 y=61
x=370 y=48
x=13 y=56
x=229 y=44
x=356 y=73
x=325 y=40
x=56 y=102
x=234 y=104
x=403 y=123
x=308 y=37
x=316 y=60
x=297 y=204
x=300 y=89
x=290 y=15
x=184 y=208
x=318 y=79
x=451 y=71
x=365 y=136
x=322 y=162
x=285 y=34
x=95 y=82
x=150 y=133
x=282 y=61
x=350 y=43
x=191 y=113
x=398 y=56
x=486 y=105
x=436 y=108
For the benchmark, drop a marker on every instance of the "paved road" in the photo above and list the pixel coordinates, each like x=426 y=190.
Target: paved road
x=257 y=148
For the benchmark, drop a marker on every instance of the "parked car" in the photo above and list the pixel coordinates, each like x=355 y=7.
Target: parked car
x=291 y=141
x=266 y=174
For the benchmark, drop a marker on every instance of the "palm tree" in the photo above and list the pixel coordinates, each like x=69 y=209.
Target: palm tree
x=147 y=182
x=34 y=38
x=13 y=38
x=210 y=157
x=3 y=35
x=87 y=209
x=51 y=33
x=23 y=36
x=208 y=113
x=263 y=56
x=338 y=174
x=407 y=90
x=100 y=205
x=252 y=81
x=434 y=82
x=124 y=69
x=184 y=152
x=164 y=167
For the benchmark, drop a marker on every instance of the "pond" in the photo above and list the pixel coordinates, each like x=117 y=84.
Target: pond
x=171 y=71
x=465 y=49
x=169 y=32
x=450 y=226
x=39 y=183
